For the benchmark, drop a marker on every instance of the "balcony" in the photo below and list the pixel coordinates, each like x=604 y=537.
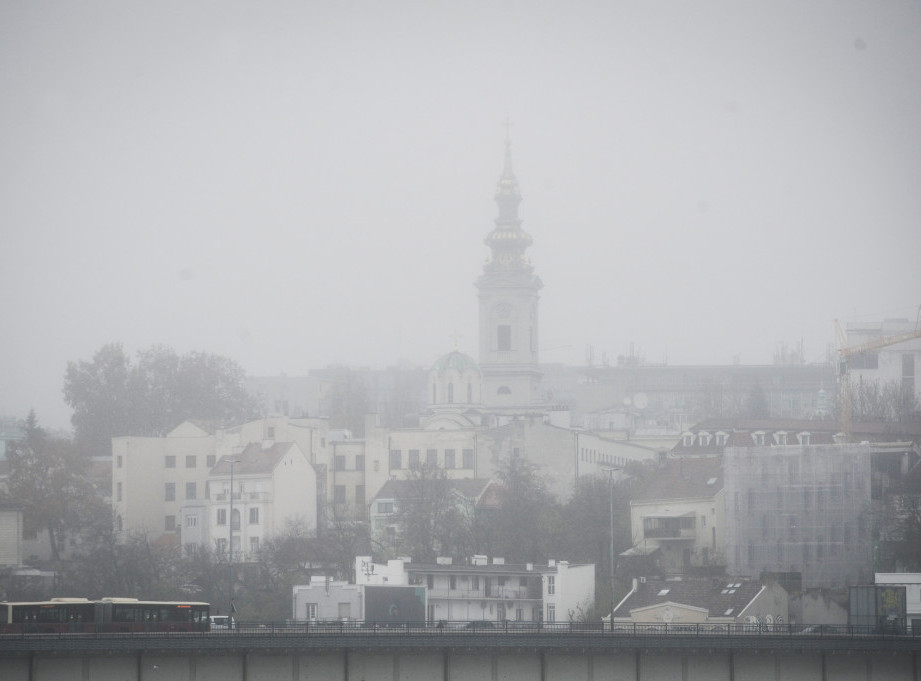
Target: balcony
x=680 y=528
x=492 y=594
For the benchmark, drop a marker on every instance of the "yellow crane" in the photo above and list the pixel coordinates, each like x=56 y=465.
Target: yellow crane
x=846 y=351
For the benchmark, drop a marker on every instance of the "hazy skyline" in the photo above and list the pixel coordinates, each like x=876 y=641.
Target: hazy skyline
x=294 y=185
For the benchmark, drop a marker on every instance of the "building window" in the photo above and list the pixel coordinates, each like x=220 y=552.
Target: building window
x=254 y=516
x=118 y=523
x=396 y=459
x=211 y=460
x=780 y=438
x=359 y=495
x=170 y=523
x=222 y=516
x=311 y=611
x=430 y=581
x=468 y=458
x=339 y=494
x=449 y=458
x=235 y=520
x=414 y=458
x=190 y=490
x=254 y=544
x=339 y=462
x=431 y=457
x=170 y=461
x=503 y=337
x=170 y=491
x=758 y=438
x=191 y=521
x=359 y=462
x=385 y=507
x=504 y=390
x=551 y=612
x=270 y=433
x=453 y=582
x=118 y=492
x=118 y=461
x=191 y=461
x=803 y=438
x=551 y=585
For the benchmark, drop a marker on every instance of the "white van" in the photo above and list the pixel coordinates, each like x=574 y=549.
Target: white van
x=219 y=622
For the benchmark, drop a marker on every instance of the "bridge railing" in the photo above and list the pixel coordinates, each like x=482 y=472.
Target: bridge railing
x=501 y=628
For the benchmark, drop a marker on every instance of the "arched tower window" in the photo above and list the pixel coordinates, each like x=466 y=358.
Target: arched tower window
x=450 y=393
x=469 y=393
x=434 y=392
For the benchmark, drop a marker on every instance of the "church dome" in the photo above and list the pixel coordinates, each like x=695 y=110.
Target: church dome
x=456 y=361
x=455 y=381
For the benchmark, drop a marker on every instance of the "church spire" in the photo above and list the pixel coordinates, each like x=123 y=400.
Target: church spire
x=507 y=240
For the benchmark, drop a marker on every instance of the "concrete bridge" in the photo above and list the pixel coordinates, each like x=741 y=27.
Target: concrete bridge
x=445 y=655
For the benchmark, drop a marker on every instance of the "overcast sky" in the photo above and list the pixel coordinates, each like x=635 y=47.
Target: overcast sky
x=295 y=184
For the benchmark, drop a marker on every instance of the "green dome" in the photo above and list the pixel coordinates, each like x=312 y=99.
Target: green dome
x=457 y=361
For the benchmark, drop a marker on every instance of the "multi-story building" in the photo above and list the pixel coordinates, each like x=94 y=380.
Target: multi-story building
x=677 y=516
x=249 y=496
x=491 y=590
x=153 y=477
x=799 y=509
x=893 y=355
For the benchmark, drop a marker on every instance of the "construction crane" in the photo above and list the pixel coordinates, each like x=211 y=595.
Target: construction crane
x=846 y=351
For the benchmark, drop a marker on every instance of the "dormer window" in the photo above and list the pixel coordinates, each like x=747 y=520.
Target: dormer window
x=780 y=438
x=703 y=438
x=802 y=438
x=722 y=438
x=687 y=439
x=758 y=438
x=840 y=438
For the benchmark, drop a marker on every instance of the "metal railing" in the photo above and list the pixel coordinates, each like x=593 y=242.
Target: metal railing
x=360 y=628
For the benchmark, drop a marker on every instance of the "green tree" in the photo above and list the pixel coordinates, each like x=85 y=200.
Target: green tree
x=112 y=396
x=433 y=519
x=528 y=522
x=48 y=479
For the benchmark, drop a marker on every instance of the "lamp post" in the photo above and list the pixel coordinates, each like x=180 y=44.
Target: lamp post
x=232 y=610
x=610 y=470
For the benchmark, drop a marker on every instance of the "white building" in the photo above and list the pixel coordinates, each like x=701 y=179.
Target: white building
x=249 y=496
x=893 y=355
x=677 y=516
x=154 y=477
x=491 y=590
x=326 y=599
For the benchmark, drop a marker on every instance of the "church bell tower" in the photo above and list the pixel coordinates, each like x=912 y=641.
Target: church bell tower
x=508 y=295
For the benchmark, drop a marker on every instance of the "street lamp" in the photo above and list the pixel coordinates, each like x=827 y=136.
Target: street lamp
x=610 y=470
x=232 y=610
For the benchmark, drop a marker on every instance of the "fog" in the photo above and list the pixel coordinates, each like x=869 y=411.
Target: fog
x=295 y=184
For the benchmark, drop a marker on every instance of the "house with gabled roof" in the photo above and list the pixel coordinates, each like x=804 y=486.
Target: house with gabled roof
x=249 y=496
x=677 y=516
x=703 y=600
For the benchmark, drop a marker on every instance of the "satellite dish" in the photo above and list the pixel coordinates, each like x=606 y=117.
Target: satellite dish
x=640 y=401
